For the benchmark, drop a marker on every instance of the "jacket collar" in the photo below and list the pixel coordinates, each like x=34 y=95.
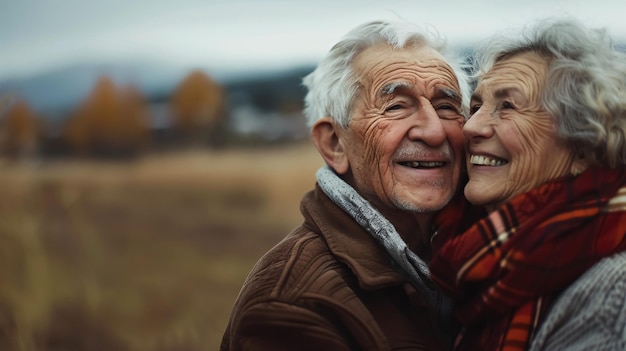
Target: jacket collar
x=349 y=241
x=385 y=235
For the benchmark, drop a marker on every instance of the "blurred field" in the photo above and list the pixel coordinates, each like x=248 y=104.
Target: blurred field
x=143 y=255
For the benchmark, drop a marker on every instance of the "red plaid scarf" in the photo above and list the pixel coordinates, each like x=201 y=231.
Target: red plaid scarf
x=506 y=269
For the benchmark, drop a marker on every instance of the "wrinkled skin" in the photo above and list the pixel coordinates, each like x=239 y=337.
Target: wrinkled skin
x=408 y=109
x=515 y=136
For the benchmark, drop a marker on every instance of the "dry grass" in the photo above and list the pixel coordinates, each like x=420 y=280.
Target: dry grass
x=147 y=255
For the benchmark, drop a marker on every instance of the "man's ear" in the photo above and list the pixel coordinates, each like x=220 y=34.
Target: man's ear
x=329 y=145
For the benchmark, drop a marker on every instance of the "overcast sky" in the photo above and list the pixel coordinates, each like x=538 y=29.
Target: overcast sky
x=39 y=35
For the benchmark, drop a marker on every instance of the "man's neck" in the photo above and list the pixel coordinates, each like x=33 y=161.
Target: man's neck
x=416 y=231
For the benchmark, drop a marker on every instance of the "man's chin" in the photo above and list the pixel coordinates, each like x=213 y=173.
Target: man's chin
x=424 y=204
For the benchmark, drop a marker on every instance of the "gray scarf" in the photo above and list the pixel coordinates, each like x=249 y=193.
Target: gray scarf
x=405 y=260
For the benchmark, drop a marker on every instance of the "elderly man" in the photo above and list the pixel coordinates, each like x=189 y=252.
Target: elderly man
x=385 y=112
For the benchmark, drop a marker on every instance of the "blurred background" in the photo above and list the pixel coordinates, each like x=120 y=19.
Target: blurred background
x=152 y=151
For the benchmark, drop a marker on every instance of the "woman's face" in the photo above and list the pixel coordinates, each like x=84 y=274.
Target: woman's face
x=512 y=142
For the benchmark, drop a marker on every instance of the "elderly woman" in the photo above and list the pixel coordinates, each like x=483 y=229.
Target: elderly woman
x=546 y=269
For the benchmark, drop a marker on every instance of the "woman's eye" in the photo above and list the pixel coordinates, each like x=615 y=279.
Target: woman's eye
x=394 y=107
x=474 y=109
x=507 y=105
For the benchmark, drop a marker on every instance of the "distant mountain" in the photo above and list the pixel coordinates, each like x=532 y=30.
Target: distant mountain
x=60 y=90
x=63 y=88
x=267 y=91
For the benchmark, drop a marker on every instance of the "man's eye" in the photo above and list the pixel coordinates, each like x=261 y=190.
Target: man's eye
x=448 y=111
x=446 y=107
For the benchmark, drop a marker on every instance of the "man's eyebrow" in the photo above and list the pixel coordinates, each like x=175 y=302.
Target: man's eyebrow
x=451 y=93
x=390 y=88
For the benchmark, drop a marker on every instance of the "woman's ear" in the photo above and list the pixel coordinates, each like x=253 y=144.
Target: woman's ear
x=329 y=144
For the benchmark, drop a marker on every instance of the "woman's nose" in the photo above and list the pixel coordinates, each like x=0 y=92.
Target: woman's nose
x=478 y=125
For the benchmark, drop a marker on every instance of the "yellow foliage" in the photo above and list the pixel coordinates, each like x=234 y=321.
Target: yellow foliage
x=197 y=103
x=21 y=131
x=110 y=119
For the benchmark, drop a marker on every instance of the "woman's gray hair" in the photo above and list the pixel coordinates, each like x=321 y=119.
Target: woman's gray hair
x=333 y=85
x=585 y=87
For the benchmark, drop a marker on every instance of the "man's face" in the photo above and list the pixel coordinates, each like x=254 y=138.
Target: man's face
x=404 y=142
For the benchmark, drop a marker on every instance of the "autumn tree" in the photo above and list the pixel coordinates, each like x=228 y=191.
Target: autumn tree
x=197 y=107
x=20 y=132
x=111 y=121
x=136 y=115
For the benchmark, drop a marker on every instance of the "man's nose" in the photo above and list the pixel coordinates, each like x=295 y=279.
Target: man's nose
x=427 y=126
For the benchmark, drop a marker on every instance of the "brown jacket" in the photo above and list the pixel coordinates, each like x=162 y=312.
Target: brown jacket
x=328 y=286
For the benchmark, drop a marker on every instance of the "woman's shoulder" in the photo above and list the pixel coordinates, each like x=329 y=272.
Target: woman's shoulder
x=605 y=282
x=600 y=292
x=605 y=274
x=591 y=311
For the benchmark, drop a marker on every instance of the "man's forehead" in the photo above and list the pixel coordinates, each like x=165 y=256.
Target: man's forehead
x=444 y=91
x=386 y=70
x=383 y=53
